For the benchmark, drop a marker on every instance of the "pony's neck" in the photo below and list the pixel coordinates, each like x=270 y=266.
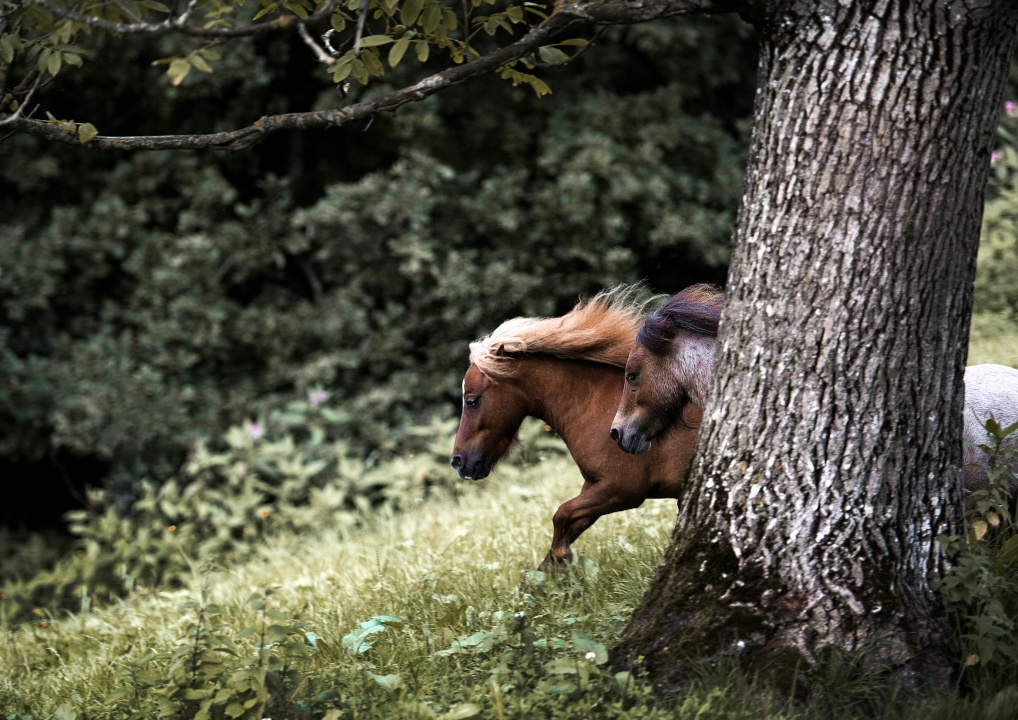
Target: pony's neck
x=692 y=361
x=567 y=393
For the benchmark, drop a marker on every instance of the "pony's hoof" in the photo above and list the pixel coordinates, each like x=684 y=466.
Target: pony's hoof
x=554 y=565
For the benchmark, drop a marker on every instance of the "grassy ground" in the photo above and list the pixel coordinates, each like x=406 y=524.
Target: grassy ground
x=450 y=569
x=428 y=614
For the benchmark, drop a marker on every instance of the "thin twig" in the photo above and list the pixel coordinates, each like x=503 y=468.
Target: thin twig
x=320 y=53
x=180 y=24
x=10 y=119
x=361 y=17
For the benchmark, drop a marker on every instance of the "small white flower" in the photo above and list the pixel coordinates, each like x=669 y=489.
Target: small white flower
x=591 y=656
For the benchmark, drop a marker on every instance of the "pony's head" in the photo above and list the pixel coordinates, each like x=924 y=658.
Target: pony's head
x=669 y=366
x=600 y=329
x=489 y=420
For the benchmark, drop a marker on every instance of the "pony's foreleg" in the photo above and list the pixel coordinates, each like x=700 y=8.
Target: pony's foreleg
x=575 y=516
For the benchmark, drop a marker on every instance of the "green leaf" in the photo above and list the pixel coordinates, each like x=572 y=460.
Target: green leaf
x=540 y=86
x=431 y=17
x=178 y=70
x=54 y=63
x=463 y=711
x=86 y=133
x=341 y=70
x=357 y=641
x=359 y=71
x=199 y=62
x=517 y=77
x=389 y=682
x=552 y=55
x=410 y=11
x=398 y=50
x=153 y=5
x=297 y=8
x=375 y=40
x=7 y=48
x=372 y=63
x=593 y=651
x=264 y=11
x=622 y=679
x=422 y=50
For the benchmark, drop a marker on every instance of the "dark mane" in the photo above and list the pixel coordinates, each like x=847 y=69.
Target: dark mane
x=696 y=309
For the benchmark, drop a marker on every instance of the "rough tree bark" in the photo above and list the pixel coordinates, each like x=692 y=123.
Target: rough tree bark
x=829 y=457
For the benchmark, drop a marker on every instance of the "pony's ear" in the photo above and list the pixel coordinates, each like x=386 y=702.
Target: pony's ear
x=500 y=350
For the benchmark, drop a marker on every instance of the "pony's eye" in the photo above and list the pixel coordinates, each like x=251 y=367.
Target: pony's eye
x=632 y=377
x=471 y=402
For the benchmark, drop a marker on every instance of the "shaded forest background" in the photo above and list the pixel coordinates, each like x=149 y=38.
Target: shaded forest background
x=153 y=299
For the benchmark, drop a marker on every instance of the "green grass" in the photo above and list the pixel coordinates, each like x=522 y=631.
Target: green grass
x=993 y=339
x=452 y=623
x=447 y=569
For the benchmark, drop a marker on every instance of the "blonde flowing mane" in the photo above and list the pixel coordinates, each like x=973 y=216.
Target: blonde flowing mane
x=601 y=329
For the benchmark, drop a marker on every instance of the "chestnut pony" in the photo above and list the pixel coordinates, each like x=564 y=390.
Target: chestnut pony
x=671 y=361
x=568 y=371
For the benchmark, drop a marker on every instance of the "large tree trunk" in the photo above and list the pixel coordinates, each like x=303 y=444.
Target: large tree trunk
x=829 y=457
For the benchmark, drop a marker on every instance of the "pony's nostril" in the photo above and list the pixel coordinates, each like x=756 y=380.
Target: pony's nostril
x=615 y=434
x=457 y=461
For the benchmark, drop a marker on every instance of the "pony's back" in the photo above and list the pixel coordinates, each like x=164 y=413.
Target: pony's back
x=989 y=389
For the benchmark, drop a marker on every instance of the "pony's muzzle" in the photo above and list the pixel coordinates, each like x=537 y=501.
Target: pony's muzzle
x=633 y=443
x=469 y=468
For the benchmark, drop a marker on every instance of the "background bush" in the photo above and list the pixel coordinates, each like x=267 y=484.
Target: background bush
x=148 y=300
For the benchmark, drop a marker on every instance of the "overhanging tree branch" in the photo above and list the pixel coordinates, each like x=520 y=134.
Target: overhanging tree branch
x=180 y=23
x=564 y=18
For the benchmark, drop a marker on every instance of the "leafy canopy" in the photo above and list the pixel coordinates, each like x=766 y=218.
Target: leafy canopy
x=357 y=40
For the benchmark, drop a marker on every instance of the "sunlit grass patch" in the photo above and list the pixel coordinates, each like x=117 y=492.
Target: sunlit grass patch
x=445 y=570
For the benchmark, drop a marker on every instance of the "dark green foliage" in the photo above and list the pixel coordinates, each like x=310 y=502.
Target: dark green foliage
x=981 y=587
x=149 y=300
x=290 y=472
x=213 y=670
x=996 y=289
